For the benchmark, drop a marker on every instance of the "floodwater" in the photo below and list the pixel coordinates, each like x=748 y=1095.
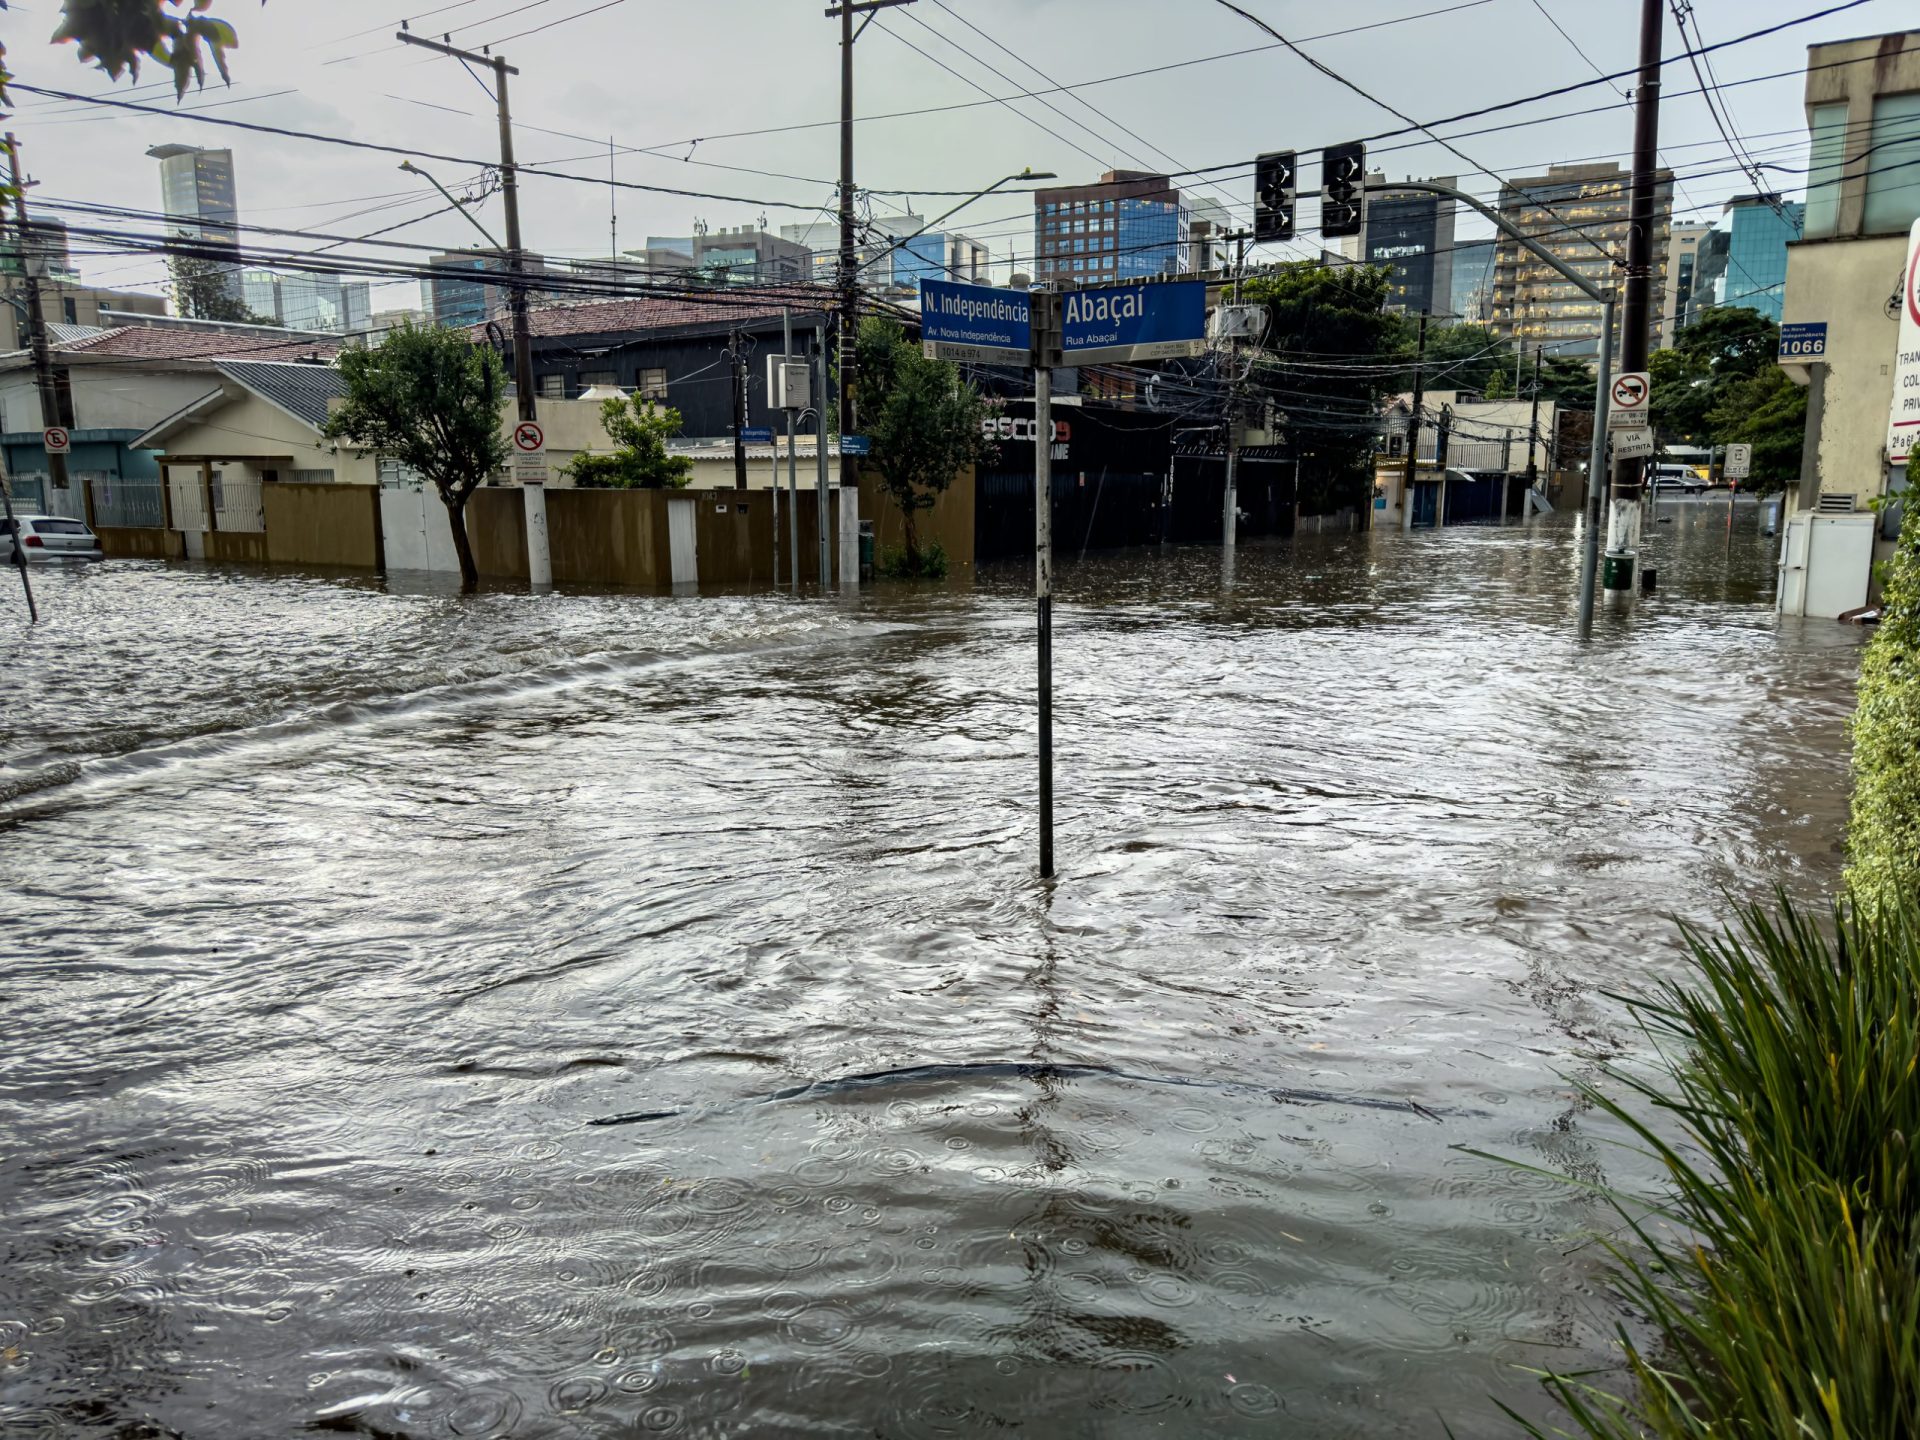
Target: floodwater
x=334 y=912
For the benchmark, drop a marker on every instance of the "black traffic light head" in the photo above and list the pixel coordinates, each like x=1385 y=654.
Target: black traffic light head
x=1274 y=189
x=1343 y=176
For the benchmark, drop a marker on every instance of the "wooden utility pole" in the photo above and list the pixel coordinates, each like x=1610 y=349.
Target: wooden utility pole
x=1413 y=428
x=53 y=407
x=739 y=362
x=1533 y=429
x=1628 y=475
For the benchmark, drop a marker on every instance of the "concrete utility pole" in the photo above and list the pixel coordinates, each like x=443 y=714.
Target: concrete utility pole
x=793 y=473
x=1629 y=475
x=1230 y=503
x=849 y=271
x=820 y=447
x=1533 y=430
x=539 y=552
x=1413 y=430
x=52 y=409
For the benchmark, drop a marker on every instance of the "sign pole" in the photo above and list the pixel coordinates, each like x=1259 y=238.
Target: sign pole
x=793 y=466
x=1043 y=590
x=1597 y=469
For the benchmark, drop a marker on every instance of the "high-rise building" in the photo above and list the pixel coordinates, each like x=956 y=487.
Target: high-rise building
x=308 y=300
x=1130 y=225
x=1579 y=214
x=1411 y=233
x=454 y=299
x=197 y=192
x=742 y=255
x=895 y=252
x=1743 y=261
x=1473 y=281
x=1683 y=266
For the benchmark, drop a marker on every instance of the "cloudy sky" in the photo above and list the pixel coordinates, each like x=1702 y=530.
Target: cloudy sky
x=681 y=89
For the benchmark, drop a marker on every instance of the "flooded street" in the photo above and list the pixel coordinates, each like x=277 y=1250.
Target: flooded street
x=335 y=913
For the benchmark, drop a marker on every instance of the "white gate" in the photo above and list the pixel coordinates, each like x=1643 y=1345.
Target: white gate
x=415 y=530
x=189 y=509
x=680 y=542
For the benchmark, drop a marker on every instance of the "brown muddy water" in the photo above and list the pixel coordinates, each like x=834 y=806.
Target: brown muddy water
x=333 y=912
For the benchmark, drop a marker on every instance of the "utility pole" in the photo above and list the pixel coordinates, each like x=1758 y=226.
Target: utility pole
x=820 y=456
x=1533 y=430
x=1443 y=433
x=1230 y=503
x=849 y=277
x=793 y=473
x=539 y=552
x=1629 y=475
x=739 y=412
x=1506 y=471
x=1045 y=336
x=1413 y=430
x=46 y=383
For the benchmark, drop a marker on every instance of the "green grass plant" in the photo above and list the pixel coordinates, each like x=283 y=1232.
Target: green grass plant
x=1775 y=1286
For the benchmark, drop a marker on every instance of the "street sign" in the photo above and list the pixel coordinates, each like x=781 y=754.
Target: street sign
x=1632 y=391
x=1739 y=462
x=1803 y=342
x=1903 y=426
x=976 y=323
x=529 y=453
x=1633 y=443
x=856 y=445
x=56 y=440
x=756 y=435
x=1116 y=324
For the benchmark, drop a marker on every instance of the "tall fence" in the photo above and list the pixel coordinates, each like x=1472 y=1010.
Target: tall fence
x=128 y=504
x=237 y=504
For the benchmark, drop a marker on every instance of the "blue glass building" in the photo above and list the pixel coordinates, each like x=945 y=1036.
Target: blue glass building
x=1757 y=235
x=1129 y=225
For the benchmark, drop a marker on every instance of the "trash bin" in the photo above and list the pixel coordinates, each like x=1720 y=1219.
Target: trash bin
x=1616 y=572
x=866 y=551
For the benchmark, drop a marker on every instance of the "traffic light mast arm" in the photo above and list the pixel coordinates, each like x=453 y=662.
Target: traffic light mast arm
x=1505 y=227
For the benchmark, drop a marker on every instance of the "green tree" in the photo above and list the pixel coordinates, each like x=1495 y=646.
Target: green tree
x=1683 y=397
x=118 y=35
x=639 y=430
x=1769 y=412
x=1323 y=324
x=1730 y=342
x=200 y=292
x=428 y=398
x=1721 y=384
x=1883 y=832
x=924 y=422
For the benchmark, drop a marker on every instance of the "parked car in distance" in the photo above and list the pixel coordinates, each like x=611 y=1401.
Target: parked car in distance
x=1676 y=477
x=47 y=539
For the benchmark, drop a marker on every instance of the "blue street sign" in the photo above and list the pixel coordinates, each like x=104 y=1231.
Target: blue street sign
x=856 y=445
x=976 y=323
x=1133 y=322
x=1803 y=342
x=756 y=435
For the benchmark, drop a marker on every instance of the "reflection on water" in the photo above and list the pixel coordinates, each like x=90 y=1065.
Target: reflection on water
x=334 y=915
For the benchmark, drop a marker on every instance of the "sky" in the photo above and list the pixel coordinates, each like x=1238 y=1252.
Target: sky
x=673 y=85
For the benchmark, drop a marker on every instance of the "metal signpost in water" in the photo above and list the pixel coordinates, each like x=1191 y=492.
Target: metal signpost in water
x=1043 y=330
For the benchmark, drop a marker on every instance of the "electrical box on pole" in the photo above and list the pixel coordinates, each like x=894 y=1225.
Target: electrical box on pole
x=1343 y=176
x=1275 y=188
x=789 y=382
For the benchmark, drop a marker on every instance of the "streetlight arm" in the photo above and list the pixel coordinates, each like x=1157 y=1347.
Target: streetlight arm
x=460 y=205
x=1525 y=242
x=924 y=229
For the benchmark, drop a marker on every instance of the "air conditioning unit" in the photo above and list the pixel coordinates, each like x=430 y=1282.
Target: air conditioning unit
x=789 y=382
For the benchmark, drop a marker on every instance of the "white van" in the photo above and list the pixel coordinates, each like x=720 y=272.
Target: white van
x=1683 y=478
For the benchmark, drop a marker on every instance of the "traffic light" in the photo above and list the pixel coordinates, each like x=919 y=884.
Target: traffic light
x=1343 y=174
x=1274 y=189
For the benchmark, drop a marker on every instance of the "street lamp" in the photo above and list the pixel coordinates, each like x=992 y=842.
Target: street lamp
x=453 y=200
x=1003 y=180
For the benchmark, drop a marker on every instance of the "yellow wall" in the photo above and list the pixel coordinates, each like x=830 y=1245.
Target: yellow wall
x=948 y=524
x=312 y=524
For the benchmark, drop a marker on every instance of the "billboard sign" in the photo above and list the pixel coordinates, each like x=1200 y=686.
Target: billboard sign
x=1119 y=323
x=976 y=323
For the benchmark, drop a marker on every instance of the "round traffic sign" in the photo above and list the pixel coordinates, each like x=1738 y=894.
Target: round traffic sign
x=56 y=440
x=528 y=437
x=1630 y=392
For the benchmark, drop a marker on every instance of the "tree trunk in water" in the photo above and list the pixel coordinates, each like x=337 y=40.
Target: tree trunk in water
x=462 y=547
x=913 y=539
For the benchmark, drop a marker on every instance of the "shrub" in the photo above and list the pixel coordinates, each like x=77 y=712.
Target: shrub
x=1883 y=836
x=928 y=563
x=1782 y=1274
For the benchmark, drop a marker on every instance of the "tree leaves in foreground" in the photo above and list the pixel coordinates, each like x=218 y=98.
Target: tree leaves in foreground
x=429 y=399
x=639 y=430
x=1883 y=831
x=118 y=35
x=923 y=419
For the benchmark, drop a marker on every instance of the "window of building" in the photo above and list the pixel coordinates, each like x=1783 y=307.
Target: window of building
x=653 y=385
x=1825 y=162
x=1893 y=165
x=69 y=311
x=591 y=378
x=552 y=387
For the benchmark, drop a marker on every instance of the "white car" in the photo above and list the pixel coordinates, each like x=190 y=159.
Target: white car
x=1683 y=478
x=45 y=539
